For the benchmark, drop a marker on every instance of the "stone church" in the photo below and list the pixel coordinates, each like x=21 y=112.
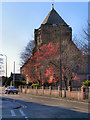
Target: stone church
x=55 y=29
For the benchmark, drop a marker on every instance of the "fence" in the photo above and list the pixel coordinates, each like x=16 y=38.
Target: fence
x=79 y=95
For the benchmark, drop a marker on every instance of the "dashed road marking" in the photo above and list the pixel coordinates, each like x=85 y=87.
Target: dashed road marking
x=22 y=113
x=13 y=113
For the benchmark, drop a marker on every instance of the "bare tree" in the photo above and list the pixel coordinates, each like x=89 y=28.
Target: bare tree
x=87 y=32
x=27 y=52
x=83 y=44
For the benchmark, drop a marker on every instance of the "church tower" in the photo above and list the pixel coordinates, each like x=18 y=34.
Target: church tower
x=53 y=28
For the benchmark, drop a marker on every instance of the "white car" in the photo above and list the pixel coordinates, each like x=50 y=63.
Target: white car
x=11 y=89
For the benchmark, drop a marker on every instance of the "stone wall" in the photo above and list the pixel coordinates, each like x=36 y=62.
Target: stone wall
x=48 y=33
x=79 y=95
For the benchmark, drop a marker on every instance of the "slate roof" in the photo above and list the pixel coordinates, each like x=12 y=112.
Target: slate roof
x=54 y=18
x=17 y=76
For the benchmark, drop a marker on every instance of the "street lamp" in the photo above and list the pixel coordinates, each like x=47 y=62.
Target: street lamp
x=6 y=63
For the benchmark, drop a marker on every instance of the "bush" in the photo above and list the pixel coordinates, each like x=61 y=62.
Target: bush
x=34 y=85
x=7 y=83
x=86 y=83
x=30 y=83
x=19 y=82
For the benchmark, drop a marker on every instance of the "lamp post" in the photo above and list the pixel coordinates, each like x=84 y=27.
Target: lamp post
x=6 y=63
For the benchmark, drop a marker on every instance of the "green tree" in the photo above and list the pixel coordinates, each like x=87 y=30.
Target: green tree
x=8 y=81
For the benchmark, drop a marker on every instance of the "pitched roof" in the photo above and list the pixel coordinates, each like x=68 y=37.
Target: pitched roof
x=17 y=76
x=54 y=18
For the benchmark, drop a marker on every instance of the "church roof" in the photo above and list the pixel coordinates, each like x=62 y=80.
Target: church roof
x=54 y=18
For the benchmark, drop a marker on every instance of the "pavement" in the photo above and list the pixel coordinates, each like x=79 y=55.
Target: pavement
x=39 y=111
x=31 y=107
x=7 y=104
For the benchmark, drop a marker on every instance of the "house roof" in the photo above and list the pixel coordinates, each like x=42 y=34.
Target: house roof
x=54 y=18
x=17 y=76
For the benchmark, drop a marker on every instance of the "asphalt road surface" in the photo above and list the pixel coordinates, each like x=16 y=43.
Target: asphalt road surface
x=31 y=106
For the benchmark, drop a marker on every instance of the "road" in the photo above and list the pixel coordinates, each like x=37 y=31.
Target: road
x=43 y=107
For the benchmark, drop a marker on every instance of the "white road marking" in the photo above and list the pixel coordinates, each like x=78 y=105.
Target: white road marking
x=13 y=113
x=22 y=113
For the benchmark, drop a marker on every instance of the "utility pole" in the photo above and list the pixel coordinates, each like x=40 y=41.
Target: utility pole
x=6 y=66
x=60 y=64
x=14 y=74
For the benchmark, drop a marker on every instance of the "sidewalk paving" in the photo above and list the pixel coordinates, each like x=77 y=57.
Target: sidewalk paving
x=8 y=104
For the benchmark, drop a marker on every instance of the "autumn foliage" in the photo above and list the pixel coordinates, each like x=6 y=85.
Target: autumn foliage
x=44 y=66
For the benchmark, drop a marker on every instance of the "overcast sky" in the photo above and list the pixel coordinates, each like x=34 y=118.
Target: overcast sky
x=19 y=19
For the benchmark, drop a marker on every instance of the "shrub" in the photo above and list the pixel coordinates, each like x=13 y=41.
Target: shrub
x=19 y=82
x=30 y=83
x=34 y=85
x=7 y=83
x=86 y=83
